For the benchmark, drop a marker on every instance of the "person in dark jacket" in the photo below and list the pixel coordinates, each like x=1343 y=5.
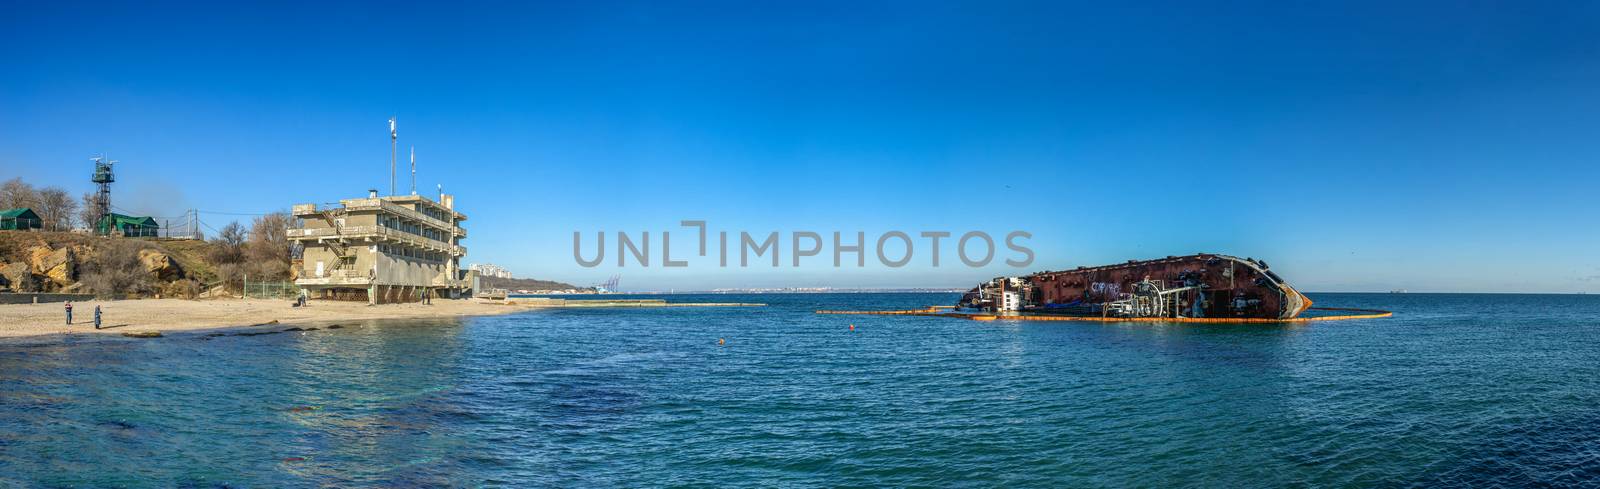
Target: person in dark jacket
x=97 y=316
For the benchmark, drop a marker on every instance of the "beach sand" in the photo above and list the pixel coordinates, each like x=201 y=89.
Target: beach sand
x=17 y=320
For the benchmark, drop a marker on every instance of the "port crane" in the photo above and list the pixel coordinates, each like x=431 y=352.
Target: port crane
x=610 y=285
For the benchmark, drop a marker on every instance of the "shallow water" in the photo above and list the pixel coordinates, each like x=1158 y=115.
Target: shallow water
x=1454 y=390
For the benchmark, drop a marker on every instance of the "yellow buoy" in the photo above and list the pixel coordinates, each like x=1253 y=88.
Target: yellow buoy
x=721 y=341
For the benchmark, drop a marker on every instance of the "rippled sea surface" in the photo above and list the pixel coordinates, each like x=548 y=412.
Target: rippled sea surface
x=1455 y=390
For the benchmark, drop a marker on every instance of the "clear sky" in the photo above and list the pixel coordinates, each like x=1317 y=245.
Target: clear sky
x=1448 y=146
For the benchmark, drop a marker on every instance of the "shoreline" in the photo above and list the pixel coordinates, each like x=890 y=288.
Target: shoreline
x=181 y=315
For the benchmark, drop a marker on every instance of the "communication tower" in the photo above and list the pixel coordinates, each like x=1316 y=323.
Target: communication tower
x=102 y=202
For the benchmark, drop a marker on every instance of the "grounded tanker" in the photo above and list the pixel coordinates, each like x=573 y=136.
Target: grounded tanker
x=1202 y=285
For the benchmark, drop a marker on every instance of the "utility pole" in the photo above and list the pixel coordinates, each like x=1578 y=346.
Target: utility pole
x=394 y=138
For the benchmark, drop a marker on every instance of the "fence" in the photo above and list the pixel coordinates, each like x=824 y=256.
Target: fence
x=271 y=290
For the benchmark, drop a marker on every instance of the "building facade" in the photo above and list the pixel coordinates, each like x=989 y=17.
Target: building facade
x=490 y=270
x=383 y=249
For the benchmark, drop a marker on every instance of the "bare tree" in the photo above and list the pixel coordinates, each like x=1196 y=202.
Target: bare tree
x=268 y=249
x=90 y=212
x=229 y=244
x=17 y=193
x=56 y=208
x=233 y=234
x=227 y=254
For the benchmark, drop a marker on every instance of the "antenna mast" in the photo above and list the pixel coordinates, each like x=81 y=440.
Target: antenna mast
x=413 y=170
x=394 y=138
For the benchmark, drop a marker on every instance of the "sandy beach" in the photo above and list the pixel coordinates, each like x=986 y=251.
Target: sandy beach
x=18 y=320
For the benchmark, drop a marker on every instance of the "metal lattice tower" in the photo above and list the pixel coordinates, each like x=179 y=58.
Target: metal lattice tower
x=103 y=178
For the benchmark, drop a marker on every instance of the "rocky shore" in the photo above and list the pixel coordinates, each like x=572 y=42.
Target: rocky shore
x=33 y=262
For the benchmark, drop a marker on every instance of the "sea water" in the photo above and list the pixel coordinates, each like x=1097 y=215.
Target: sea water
x=1459 y=390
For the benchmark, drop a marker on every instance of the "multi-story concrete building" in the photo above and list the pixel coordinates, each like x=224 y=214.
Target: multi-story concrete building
x=383 y=249
x=490 y=270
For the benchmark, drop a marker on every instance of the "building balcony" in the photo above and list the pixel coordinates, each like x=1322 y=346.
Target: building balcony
x=310 y=211
x=365 y=278
x=375 y=233
x=369 y=205
x=337 y=279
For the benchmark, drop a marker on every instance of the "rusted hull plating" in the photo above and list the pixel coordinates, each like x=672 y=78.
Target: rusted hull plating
x=1201 y=285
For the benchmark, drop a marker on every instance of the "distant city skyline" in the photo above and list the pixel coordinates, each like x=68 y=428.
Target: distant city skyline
x=490 y=270
x=1425 y=146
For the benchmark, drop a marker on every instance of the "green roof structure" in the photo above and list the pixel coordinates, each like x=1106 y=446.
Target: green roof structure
x=130 y=226
x=19 y=218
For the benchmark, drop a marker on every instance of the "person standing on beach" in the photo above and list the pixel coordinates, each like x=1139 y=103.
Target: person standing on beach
x=96 y=316
x=69 y=313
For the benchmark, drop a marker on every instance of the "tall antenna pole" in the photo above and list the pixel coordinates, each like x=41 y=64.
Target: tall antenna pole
x=394 y=138
x=413 y=170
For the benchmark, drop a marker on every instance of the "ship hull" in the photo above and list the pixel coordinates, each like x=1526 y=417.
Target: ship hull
x=1200 y=285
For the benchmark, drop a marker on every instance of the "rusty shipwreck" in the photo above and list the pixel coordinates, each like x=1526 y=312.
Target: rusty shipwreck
x=1204 y=285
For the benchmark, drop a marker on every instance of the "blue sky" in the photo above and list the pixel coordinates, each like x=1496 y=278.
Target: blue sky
x=1446 y=146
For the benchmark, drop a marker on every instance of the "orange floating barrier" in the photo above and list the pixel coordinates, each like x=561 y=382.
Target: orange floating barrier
x=933 y=311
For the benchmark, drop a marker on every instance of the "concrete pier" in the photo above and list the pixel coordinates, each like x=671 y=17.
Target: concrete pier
x=552 y=302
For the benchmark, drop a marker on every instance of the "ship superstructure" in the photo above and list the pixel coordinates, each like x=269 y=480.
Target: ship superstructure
x=1202 y=285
